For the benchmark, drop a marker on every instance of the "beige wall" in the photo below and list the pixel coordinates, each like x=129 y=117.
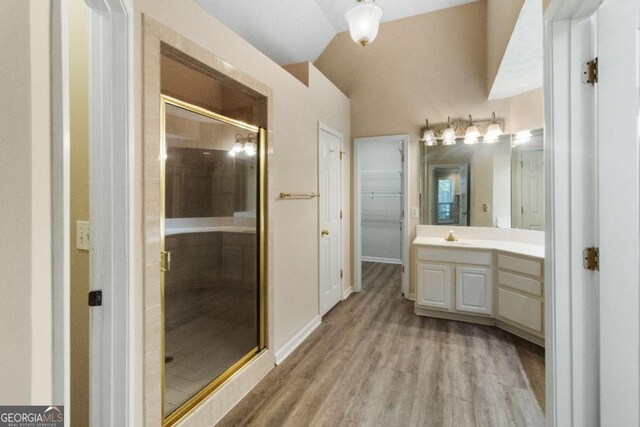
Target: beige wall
x=79 y=209
x=501 y=20
x=300 y=71
x=431 y=65
x=25 y=194
x=292 y=162
x=526 y=111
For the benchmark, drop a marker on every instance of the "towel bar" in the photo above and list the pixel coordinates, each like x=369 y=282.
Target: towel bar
x=298 y=196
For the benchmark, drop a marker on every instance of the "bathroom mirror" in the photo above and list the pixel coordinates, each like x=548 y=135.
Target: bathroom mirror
x=484 y=185
x=212 y=251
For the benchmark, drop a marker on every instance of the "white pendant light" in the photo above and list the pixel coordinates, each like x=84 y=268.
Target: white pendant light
x=449 y=134
x=364 y=20
x=472 y=134
x=428 y=137
x=493 y=132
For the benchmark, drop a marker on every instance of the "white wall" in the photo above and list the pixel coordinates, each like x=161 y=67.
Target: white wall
x=25 y=197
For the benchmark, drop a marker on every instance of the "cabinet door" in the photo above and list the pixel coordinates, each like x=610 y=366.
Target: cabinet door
x=474 y=290
x=434 y=285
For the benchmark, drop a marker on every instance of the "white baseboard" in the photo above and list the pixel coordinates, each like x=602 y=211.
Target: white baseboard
x=347 y=292
x=412 y=297
x=297 y=339
x=381 y=260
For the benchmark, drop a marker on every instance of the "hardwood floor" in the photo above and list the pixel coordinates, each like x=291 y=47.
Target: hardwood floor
x=373 y=362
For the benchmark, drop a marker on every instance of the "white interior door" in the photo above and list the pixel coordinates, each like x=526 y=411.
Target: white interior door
x=532 y=190
x=329 y=218
x=617 y=109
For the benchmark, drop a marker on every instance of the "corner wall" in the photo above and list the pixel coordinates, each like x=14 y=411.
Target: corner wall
x=501 y=18
x=79 y=208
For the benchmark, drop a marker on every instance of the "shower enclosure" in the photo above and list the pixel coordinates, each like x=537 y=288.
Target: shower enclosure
x=212 y=182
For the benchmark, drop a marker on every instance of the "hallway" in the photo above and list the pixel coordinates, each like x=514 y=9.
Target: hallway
x=373 y=362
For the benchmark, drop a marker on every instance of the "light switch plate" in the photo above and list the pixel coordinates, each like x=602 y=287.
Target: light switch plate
x=83 y=235
x=415 y=213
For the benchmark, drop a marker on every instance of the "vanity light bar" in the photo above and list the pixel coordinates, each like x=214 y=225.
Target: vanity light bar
x=469 y=130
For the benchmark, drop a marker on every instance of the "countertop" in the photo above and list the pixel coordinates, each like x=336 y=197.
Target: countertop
x=518 y=248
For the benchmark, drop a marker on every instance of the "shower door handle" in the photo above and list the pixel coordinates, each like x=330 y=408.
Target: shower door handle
x=165 y=261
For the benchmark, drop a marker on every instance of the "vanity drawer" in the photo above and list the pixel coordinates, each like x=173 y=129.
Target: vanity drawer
x=520 y=309
x=520 y=265
x=454 y=256
x=521 y=283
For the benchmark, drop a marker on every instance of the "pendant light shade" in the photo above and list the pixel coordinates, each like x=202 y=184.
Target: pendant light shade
x=449 y=134
x=472 y=134
x=364 y=21
x=428 y=137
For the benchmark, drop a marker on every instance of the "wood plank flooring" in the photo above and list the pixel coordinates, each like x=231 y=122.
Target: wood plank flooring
x=373 y=362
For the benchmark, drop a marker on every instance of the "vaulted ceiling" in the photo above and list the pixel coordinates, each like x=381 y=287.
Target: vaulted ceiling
x=291 y=31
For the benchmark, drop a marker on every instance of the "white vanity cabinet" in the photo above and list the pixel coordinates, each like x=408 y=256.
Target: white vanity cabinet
x=455 y=280
x=474 y=290
x=434 y=285
x=482 y=285
x=520 y=292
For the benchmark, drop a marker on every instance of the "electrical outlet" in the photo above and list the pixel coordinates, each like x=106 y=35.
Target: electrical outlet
x=415 y=213
x=83 y=235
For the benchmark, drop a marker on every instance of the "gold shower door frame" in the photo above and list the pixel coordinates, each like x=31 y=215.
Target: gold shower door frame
x=176 y=415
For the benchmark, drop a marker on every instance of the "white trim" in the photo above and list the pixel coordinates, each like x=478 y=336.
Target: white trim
x=60 y=197
x=357 y=228
x=347 y=292
x=381 y=260
x=563 y=115
x=111 y=147
x=297 y=339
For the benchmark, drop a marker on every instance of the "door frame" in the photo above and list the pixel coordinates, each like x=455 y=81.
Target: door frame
x=61 y=207
x=344 y=293
x=114 y=344
x=357 y=211
x=569 y=138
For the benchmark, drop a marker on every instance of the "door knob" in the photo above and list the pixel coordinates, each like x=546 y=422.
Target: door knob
x=325 y=232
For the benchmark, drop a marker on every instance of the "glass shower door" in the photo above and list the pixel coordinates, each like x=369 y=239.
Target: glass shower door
x=211 y=228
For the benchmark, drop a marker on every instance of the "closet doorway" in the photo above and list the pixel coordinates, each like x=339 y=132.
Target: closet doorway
x=380 y=204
